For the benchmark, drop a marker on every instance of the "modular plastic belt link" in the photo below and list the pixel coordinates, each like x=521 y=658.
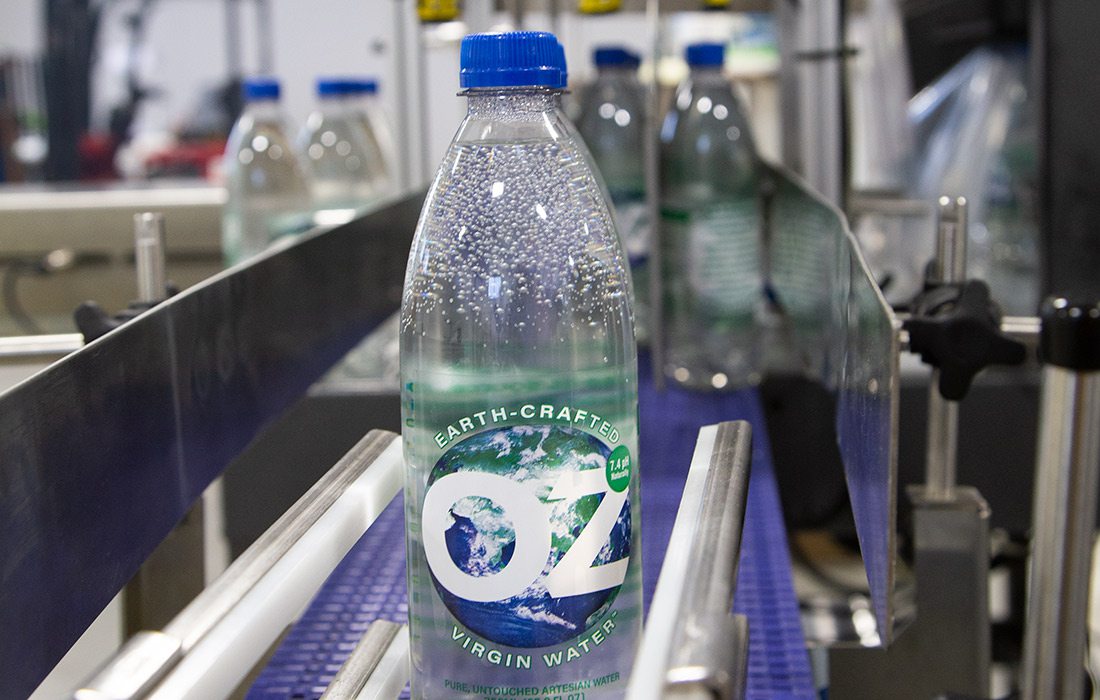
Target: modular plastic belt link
x=369 y=584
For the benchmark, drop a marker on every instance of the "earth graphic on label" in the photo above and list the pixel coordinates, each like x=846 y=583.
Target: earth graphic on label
x=481 y=539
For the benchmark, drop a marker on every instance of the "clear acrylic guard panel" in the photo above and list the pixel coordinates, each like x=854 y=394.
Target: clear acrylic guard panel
x=828 y=313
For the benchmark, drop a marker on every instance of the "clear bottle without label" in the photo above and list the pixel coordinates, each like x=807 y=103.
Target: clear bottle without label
x=381 y=143
x=519 y=402
x=267 y=191
x=711 y=230
x=612 y=123
x=343 y=163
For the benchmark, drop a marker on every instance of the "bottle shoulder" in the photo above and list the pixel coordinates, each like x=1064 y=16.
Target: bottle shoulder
x=259 y=157
x=711 y=111
x=519 y=209
x=611 y=112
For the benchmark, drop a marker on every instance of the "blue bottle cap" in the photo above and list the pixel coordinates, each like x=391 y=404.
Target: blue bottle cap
x=706 y=55
x=261 y=89
x=364 y=86
x=561 y=59
x=616 y=56
x=328 y=87
x=334 y=87
x=512 y=59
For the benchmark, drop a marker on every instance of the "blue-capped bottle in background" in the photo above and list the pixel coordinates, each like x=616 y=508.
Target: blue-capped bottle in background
x=519 y=400
x=267 y=191
x=710 y=230
x=381 y=144
x=612 y=123
x=343 y=163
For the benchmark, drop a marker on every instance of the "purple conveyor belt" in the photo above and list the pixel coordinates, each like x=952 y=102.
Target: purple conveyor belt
x=369 y=584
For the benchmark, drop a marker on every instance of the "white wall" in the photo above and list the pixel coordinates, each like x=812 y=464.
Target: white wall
x=21 y=26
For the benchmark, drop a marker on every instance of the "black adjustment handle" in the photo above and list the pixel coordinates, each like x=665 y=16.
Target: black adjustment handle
x=93 y=321
x=1070 y=335
x=957 y=329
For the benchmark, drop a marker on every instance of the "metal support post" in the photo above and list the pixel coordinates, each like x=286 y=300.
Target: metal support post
x=427 y=167
x=553 y=8
x=943 y=415
x=265 y=31
x=149 y=257
x=652 y=155
x=1066 y=481
x=174 y=573
x=404 y=108
x=817 y=32
x=519 y=15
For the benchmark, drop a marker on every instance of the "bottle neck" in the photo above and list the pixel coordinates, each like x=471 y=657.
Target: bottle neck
x=709 y=78
x=264 y=110
x=516 y=114
x=511 y=104
x=617 y=75
x=707 y=71
x=616 y=71
x=338 y=104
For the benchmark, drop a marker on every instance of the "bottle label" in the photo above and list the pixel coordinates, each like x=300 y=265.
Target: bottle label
x=721 y=255
x=527 y=528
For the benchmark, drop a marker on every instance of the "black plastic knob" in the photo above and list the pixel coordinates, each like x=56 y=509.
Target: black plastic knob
x=1070 y=335
x=957 y=329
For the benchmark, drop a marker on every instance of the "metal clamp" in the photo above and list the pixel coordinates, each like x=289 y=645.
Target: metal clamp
x=694 y=644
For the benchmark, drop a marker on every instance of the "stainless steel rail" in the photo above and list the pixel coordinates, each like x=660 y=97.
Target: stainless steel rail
x=711 y=645
x=197 y=618
x=40 y=346
x=368 y=653
x=1064 y=514
x=149 y=656
x=1067 y=477
x=694 y=646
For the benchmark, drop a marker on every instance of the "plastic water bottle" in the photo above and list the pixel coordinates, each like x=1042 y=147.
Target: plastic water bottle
x=268 y=195
x=341 y=161
x=711 y=235
x=519 y=402
x=381 y=143
x=612 y=124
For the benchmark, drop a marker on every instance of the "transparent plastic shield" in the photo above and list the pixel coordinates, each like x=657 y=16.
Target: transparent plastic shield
x=804 y=289
x=827 y=318
x=867 y=427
